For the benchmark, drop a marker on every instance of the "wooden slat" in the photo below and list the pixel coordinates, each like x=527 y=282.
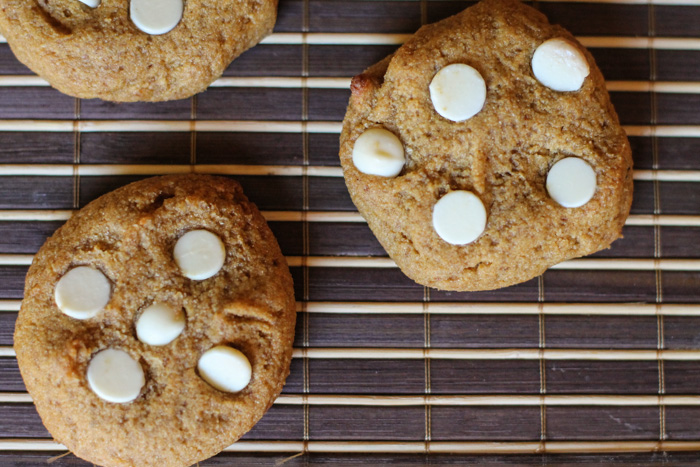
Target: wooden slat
x=458 y=400
x=479 y=354
x=337 y=216
x=476 y=308
x=626 y=264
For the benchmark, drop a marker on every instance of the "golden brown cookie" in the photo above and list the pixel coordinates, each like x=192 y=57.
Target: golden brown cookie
x=456 y=175
x=99 y=51
x=125 y=383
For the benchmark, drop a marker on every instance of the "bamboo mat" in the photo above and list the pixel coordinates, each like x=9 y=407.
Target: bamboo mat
x=598 y=360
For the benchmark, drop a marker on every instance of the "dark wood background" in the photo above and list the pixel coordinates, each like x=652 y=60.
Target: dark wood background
x=341 y=394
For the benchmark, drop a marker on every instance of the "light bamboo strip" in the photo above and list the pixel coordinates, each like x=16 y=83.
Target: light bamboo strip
x=39 y=215
x=630 y=264
x=592 y=264
x=9 y=444
x=22 y=80
x=93 y=126
x=282 y=82
x=15 y=397
x=10 y=305
x=292 y=82
x=490 y=308
x=499 y=354
x=663 y=131
x=489 y=400
x=478 y=308
x=16 y=260
x=252 y=126
x=455 y=400
x=338 y=216
x=606 y=264
x=91 y=170
x=668 y=175
x=266 y=446
x=316 y=216
x=37 y=125
x=323 y=38
x=410 y=447
x=665 y=220
x=355 y=353
x=664 y=87
x=330 y=127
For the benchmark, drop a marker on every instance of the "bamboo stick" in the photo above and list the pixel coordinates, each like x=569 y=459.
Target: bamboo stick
x=604 y=264
x=294 y=82
x=479 y=354
x=92 y=170
x=643 y=220
x=87 y=126
x=479 y=308
x=330 y=127
x=588 y=264
x=397 y=447
x=488 y=400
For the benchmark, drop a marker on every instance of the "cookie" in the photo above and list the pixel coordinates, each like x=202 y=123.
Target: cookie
x=486 y=149
x=157 y=323
x=133 y=50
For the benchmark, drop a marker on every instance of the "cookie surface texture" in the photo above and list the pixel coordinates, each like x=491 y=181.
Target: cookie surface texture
x=502 y=154
x=100 y=52
x=116 y=400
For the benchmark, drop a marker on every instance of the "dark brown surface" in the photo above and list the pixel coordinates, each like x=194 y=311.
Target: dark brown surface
x=385 y=376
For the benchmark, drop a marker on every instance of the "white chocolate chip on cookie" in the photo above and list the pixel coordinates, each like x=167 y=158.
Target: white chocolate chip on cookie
x=459 y=217
x=200 y=254
x=156 y=16
x=114 y=376
x=160 y=324
x=378 y=152
x=82 y=292
x=571 y=182
x=458 y=92
x=91 y=3
x=560 y=65
x=225 y=368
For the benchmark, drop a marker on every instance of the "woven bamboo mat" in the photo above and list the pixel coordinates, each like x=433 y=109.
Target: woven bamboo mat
x=596 y=358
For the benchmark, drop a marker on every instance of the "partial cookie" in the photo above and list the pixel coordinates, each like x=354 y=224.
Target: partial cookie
x=486 y=150
x=157 y=323
x=133 y=50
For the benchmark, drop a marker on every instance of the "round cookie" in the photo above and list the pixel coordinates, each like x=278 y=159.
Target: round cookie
x=100 y=51
x=118 y=397
x=502 y=154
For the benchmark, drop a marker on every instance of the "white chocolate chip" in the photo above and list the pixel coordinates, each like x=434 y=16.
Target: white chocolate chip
x=200 y=254
x=160 y=324
x=571 y=182
x=91 y=3
x=225 y=368
x=114 y=376
x=82 y=292
x=458 y=92
x=378 y=152
x=156 y=16
x=459 y=217
x=560 y=65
